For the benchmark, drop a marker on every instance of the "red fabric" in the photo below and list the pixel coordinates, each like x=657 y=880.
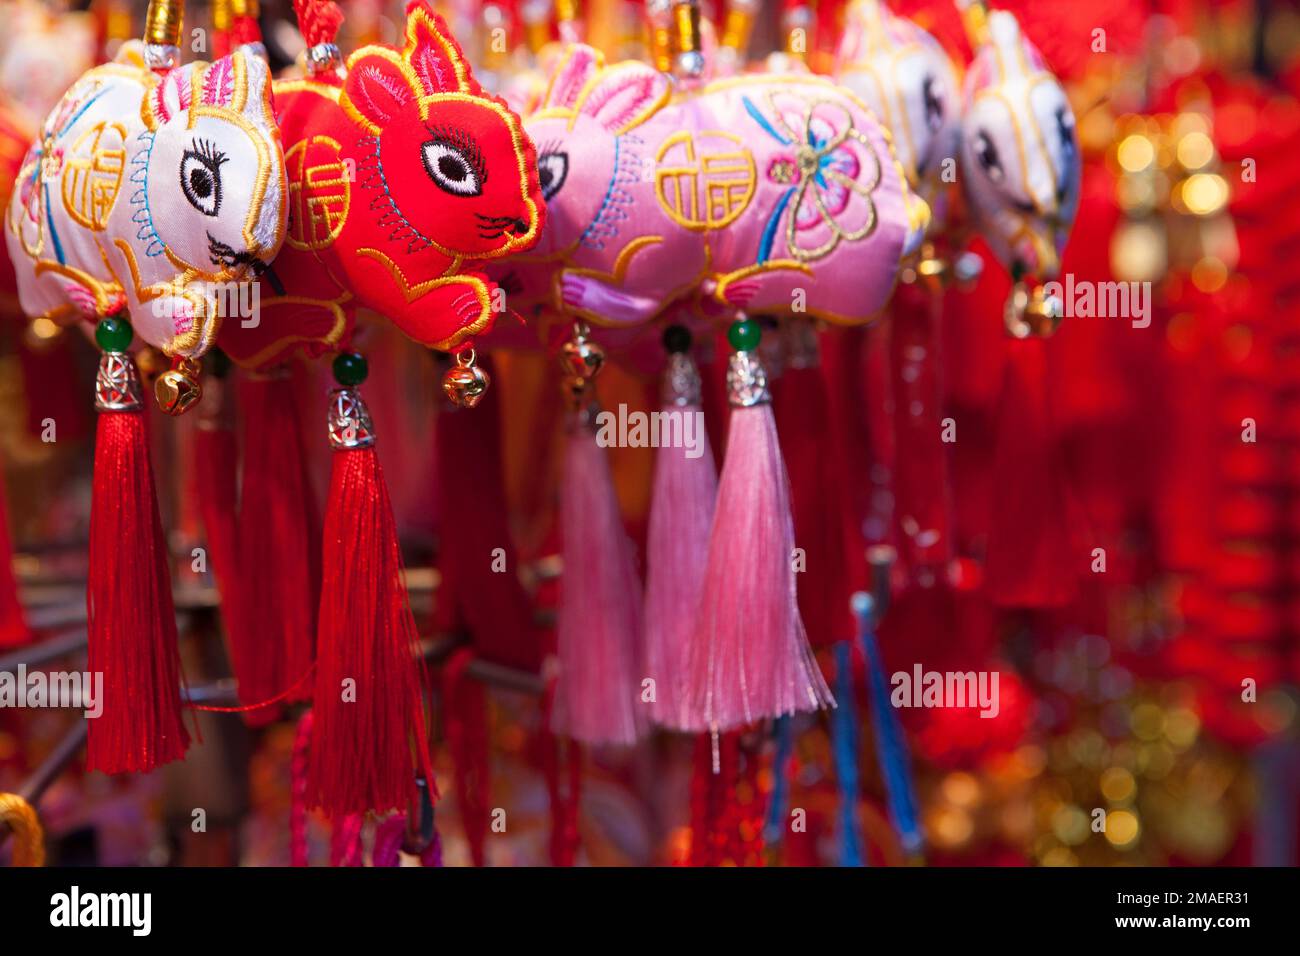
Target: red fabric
x=279 y=547
x=474 y=594
x=922 y=494
x=13 y=623
x=1032 y=562
x=465 y=716
x=814 y=459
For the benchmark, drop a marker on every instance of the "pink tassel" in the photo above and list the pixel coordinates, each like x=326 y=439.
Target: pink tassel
x=751 y=658
x=681 y=511
x=598 y=626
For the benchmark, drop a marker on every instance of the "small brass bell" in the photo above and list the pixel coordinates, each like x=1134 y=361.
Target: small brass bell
x=466 y=383
x=178 y=389
x=577 y=391
x=1032 y=314
x=581 y=357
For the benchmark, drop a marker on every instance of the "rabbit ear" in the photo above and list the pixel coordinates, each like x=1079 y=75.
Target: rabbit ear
x=378 y=85
x=218 y=83
x=171 y=96
x=624 y=95
x=579 y=65
x=433 y=54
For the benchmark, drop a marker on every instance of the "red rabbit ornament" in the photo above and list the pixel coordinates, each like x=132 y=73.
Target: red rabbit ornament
x=405 y=178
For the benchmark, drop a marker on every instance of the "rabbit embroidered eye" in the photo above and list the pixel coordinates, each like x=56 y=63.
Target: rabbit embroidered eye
x=933 y=104
x=450 y=169
x=552 y=168
x=454 y=162
x=201 y=177
x=987 y=155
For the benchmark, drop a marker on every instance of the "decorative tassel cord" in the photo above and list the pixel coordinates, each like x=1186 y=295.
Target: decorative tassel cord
x=132 y=636
x=279 y=550
x=319 y=20
x=598 y=628
x=370 y=722
x=757 y=662
x=290 y=691
x=29 y=837
x=845 y=739
x=895 y=765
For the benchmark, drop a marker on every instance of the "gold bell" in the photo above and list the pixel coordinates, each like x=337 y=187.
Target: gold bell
x=178 y=389
x=581 y=357
x=933 y=269
x=1032 y=314
x=465 y=384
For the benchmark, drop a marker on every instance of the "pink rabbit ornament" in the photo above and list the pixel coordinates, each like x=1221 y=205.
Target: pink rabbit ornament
x=776 y=194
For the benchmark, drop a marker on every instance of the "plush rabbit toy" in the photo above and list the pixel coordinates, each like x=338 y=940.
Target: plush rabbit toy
x=405 y=179
x=1020 y=153
x=904 y=75
x=152 y=185
x=146 y=189
x=751 y=194
x=1021 y=174
x=770 y=194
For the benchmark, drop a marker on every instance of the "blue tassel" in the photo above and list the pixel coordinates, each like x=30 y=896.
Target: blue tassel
x=844 y=734
x=774 y=829
x=895 y=763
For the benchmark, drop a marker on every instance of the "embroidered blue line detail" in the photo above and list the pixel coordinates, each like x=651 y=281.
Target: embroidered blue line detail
x=386 y=205
x=762 y=121
x=54 y=233
x=613 y=207
x=769 y=230
x=80 y=111
x=143 y=217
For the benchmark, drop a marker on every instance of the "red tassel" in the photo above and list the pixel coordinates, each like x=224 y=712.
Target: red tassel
x=562 y=765
x=49 y=369
x=298 y=849
x=598 y=627
x=475 y=594
x=369 y=735
x=801 y=409
x=1029 y=564
x=923 y=501
x=132 y=622
x=318 y=20
x=279 y=566
x=216 y=463
x=13 y=622
x=677 y=544
x=752 y=658
x=244 y=29
x=467 y=736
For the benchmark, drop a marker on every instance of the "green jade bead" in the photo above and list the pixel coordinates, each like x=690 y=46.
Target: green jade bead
x=744 y=336
x=350 y=369
x=114 y=335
